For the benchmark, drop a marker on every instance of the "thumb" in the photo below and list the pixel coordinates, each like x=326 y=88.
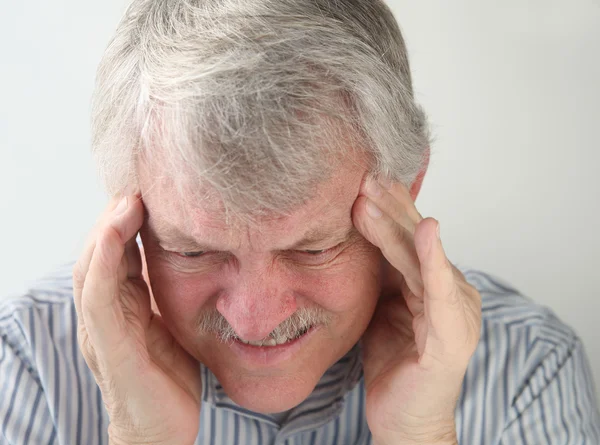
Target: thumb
x=107 y=283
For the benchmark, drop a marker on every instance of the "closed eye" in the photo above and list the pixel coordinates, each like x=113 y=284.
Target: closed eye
x=315 y=257
x=192 y=254
x=318 y=252
x=311 y=252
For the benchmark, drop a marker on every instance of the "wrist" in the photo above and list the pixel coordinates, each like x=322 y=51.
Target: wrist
x=119 y=437
x=113 y=440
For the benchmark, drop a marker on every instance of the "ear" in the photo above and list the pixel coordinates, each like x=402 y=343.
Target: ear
x=415 y=188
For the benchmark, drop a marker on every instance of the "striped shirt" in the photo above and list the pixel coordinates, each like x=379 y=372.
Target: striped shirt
x=529 y=382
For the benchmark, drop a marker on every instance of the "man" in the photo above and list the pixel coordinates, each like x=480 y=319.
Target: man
x=288 y=290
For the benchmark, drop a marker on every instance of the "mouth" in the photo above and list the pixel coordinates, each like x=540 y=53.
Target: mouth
x=272 y=352
x=275 y=341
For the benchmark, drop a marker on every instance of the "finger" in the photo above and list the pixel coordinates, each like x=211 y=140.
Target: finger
x=436 y=269
x=394 y=201
x=448 y=329
x=378 y=337
x=402 y=195
x=133 y=265
x=79 y=272
x=108 y=271
x=395 y=242
x=81 y=267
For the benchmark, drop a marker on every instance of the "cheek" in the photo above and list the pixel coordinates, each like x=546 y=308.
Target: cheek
x=353 y=285
x=179 y=296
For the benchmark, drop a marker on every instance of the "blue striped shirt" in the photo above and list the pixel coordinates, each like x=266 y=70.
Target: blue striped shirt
x=529 y=382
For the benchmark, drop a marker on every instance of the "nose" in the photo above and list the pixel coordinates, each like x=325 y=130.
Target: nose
x=256 y=304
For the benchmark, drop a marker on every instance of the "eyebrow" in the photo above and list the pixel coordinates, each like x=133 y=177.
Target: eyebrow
x=169 y=234
x=319 y=235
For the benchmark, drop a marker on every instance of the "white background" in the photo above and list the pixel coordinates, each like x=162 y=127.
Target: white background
x=512 y=90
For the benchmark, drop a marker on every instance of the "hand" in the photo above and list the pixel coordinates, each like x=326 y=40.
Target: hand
x=150 y=386
x=425 y=328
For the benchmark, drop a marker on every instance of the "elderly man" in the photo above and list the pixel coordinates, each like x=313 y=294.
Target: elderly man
x=284 y=288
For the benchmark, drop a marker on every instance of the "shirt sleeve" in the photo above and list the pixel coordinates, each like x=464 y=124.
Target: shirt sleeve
x=24 y=414
x=558 y=402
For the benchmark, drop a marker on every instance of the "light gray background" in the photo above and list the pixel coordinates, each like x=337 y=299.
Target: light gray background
x=513 y=96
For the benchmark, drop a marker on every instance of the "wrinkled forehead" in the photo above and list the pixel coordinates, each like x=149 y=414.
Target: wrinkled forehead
x=328 y=209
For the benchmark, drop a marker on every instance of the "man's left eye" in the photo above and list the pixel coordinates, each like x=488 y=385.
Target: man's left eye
x=192 y=254
x=316 y=256
x=318 y=252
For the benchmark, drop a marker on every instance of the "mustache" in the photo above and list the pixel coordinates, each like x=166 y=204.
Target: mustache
x=213 y=322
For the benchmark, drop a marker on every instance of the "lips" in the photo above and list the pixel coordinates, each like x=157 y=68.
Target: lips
x=274 y=341
x=257 y=356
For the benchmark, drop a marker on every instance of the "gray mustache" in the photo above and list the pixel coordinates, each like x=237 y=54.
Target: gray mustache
x=212 y=322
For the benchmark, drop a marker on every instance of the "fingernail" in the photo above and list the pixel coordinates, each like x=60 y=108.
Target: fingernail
x=373 y=188
x=385 y=182
x=373 y=211
x=437 y=230
x=122 y=206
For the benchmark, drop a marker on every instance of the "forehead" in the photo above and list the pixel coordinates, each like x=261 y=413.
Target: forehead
x=328 y=210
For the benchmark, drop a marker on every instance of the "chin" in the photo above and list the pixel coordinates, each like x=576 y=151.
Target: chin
x=275 y=378
x=268 y=394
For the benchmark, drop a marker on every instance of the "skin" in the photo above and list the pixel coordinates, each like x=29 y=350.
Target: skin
x=256 y=281
x=391 y=286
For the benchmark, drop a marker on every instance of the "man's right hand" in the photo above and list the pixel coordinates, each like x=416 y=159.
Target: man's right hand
x=150 y=385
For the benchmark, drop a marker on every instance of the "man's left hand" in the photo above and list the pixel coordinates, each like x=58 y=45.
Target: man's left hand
x=425 y=328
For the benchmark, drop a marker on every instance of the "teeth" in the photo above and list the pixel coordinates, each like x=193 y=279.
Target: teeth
x=269 y=342
x=281 y=340
x=273 y=341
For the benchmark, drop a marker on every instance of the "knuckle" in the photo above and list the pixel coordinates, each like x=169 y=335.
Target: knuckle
x=87 y=350
x=396 y=232
x=447 y=268
x=453 y=298
x=107 y=249
x=105 y=234
x=458 y=275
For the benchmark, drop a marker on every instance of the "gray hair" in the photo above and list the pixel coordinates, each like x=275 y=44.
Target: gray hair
x=255 y=99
